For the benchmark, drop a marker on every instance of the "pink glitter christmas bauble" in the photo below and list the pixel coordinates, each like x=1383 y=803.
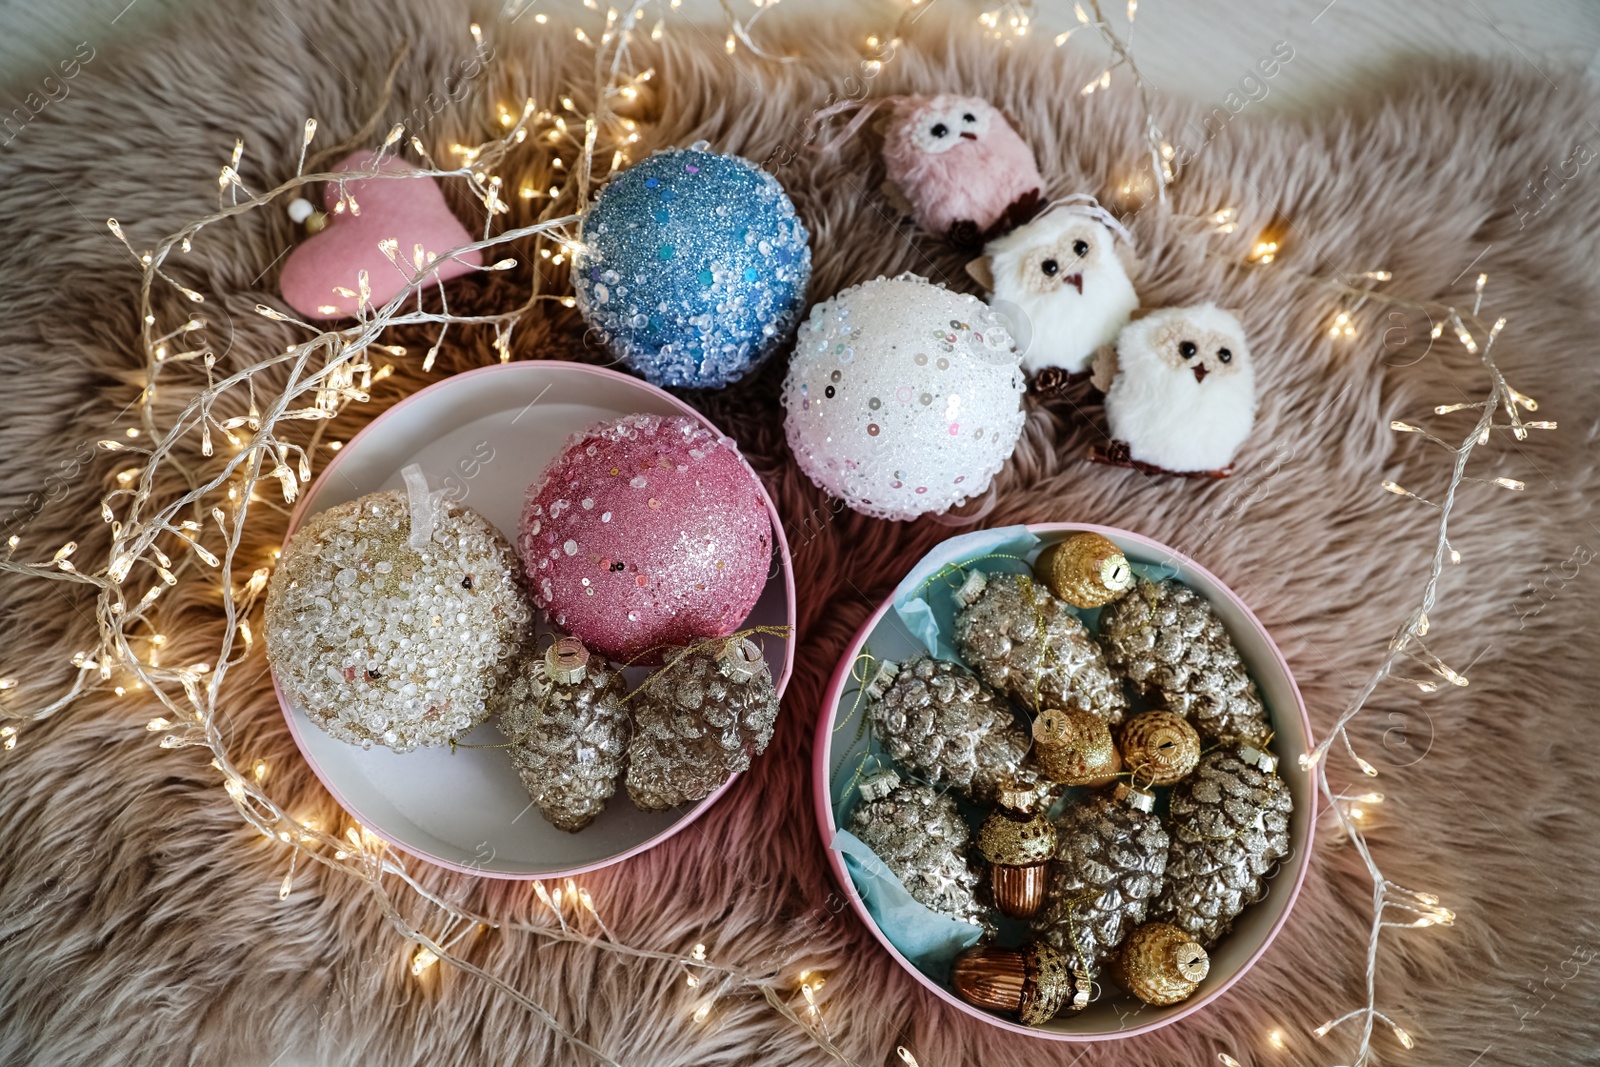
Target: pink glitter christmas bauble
x=646 y=533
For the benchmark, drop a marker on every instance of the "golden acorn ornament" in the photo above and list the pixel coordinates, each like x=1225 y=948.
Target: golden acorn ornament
x=1032 y=647
x=1075 y=747
x=1168 y=642
x=1159 y=748
x=1160 y=964
x=1087 y=570
x=1034 y=982
x=568 y=728
x=1018 y=845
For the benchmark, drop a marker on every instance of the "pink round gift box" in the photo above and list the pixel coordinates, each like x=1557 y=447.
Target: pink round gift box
x=574 y=385
x=1260 y=923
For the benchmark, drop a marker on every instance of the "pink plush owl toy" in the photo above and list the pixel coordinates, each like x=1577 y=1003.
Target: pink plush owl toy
x=956 y=166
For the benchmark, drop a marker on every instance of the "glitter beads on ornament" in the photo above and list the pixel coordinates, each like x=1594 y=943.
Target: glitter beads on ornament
x=699 y=720
x=1165 y=639
x=1230 y=825
x=564 y=716
x=920 y=836
x=902 y=397
x=1109 y=868
x=941 y=722
x=392 y=619
x=647 y=532
x=693 y=266
x=1032 y=647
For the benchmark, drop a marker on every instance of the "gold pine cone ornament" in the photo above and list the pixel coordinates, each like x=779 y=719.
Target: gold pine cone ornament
x=1034 y=983
x=1075 y=747
x=1018 y=845
x=1160 y=748
x=1087 y=570
x=1160 y=964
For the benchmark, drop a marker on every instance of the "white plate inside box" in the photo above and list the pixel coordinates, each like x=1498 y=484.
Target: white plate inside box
x=486 y=435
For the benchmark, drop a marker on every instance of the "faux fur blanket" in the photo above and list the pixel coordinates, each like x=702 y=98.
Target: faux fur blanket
x=140 y=918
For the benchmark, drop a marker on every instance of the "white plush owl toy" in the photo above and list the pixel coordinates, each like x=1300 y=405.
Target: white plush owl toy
x=1180 y=392
x=1064 y=276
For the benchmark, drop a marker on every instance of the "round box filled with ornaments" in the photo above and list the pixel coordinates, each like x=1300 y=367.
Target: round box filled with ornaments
x=1058 y=776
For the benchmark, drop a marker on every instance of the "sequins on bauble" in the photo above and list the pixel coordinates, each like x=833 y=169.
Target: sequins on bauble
x=647 y=532
x=692 y=267
x=381 y=644
x=903 y=397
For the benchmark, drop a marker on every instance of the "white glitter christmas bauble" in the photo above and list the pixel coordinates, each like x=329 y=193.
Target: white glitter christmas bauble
x=903 y=397
x=383 y=644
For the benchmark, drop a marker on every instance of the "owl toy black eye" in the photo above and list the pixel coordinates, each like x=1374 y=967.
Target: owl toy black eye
x=1080 y=247
x=939 y=129
x=1050 y=268
x=1186 y=349
x=1225 y=354
x=969 y=117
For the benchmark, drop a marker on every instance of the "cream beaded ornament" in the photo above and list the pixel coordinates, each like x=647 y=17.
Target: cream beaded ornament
x=902 y=397
x=393 y=618
x=920 y=836
x=942 y=723
x=1032 y=647
x=699 y=720
x=563 y=713
x=1165 y=639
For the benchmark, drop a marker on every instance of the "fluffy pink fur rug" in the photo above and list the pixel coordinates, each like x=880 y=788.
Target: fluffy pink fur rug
x=139 y=918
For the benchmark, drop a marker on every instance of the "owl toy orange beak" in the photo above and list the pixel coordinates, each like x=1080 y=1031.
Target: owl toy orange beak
x=969 y=135
x=1200 y=372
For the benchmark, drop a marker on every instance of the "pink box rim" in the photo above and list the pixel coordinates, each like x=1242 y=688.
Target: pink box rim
x=826 y=826
x=779 y=539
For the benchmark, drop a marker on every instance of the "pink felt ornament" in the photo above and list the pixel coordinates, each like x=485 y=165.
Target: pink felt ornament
x=412 y=212
x=957 y=166
x=646 y=533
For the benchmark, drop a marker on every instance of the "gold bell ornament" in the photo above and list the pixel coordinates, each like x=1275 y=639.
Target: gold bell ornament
x=1160 y=964
x=1087 y=570
x=1075 y=747
x=1160 y=748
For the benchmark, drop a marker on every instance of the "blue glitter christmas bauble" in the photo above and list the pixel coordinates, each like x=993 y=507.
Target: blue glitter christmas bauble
x=693 y=267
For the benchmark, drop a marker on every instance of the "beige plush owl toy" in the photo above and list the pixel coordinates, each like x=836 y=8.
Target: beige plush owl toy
x=1063 y=275
x=1180 y=392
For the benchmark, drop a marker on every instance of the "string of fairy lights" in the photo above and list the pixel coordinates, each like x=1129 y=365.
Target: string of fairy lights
x=163 y=538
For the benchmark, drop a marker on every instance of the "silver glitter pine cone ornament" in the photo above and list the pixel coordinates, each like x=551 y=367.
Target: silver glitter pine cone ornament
x=1031 y=646
x=1229 y=823
x=944 y=724
x=393 y=619
x=1167 y=641
x=1108 y=871
x=921 y=837
x=699 y=720
x=564 y=715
